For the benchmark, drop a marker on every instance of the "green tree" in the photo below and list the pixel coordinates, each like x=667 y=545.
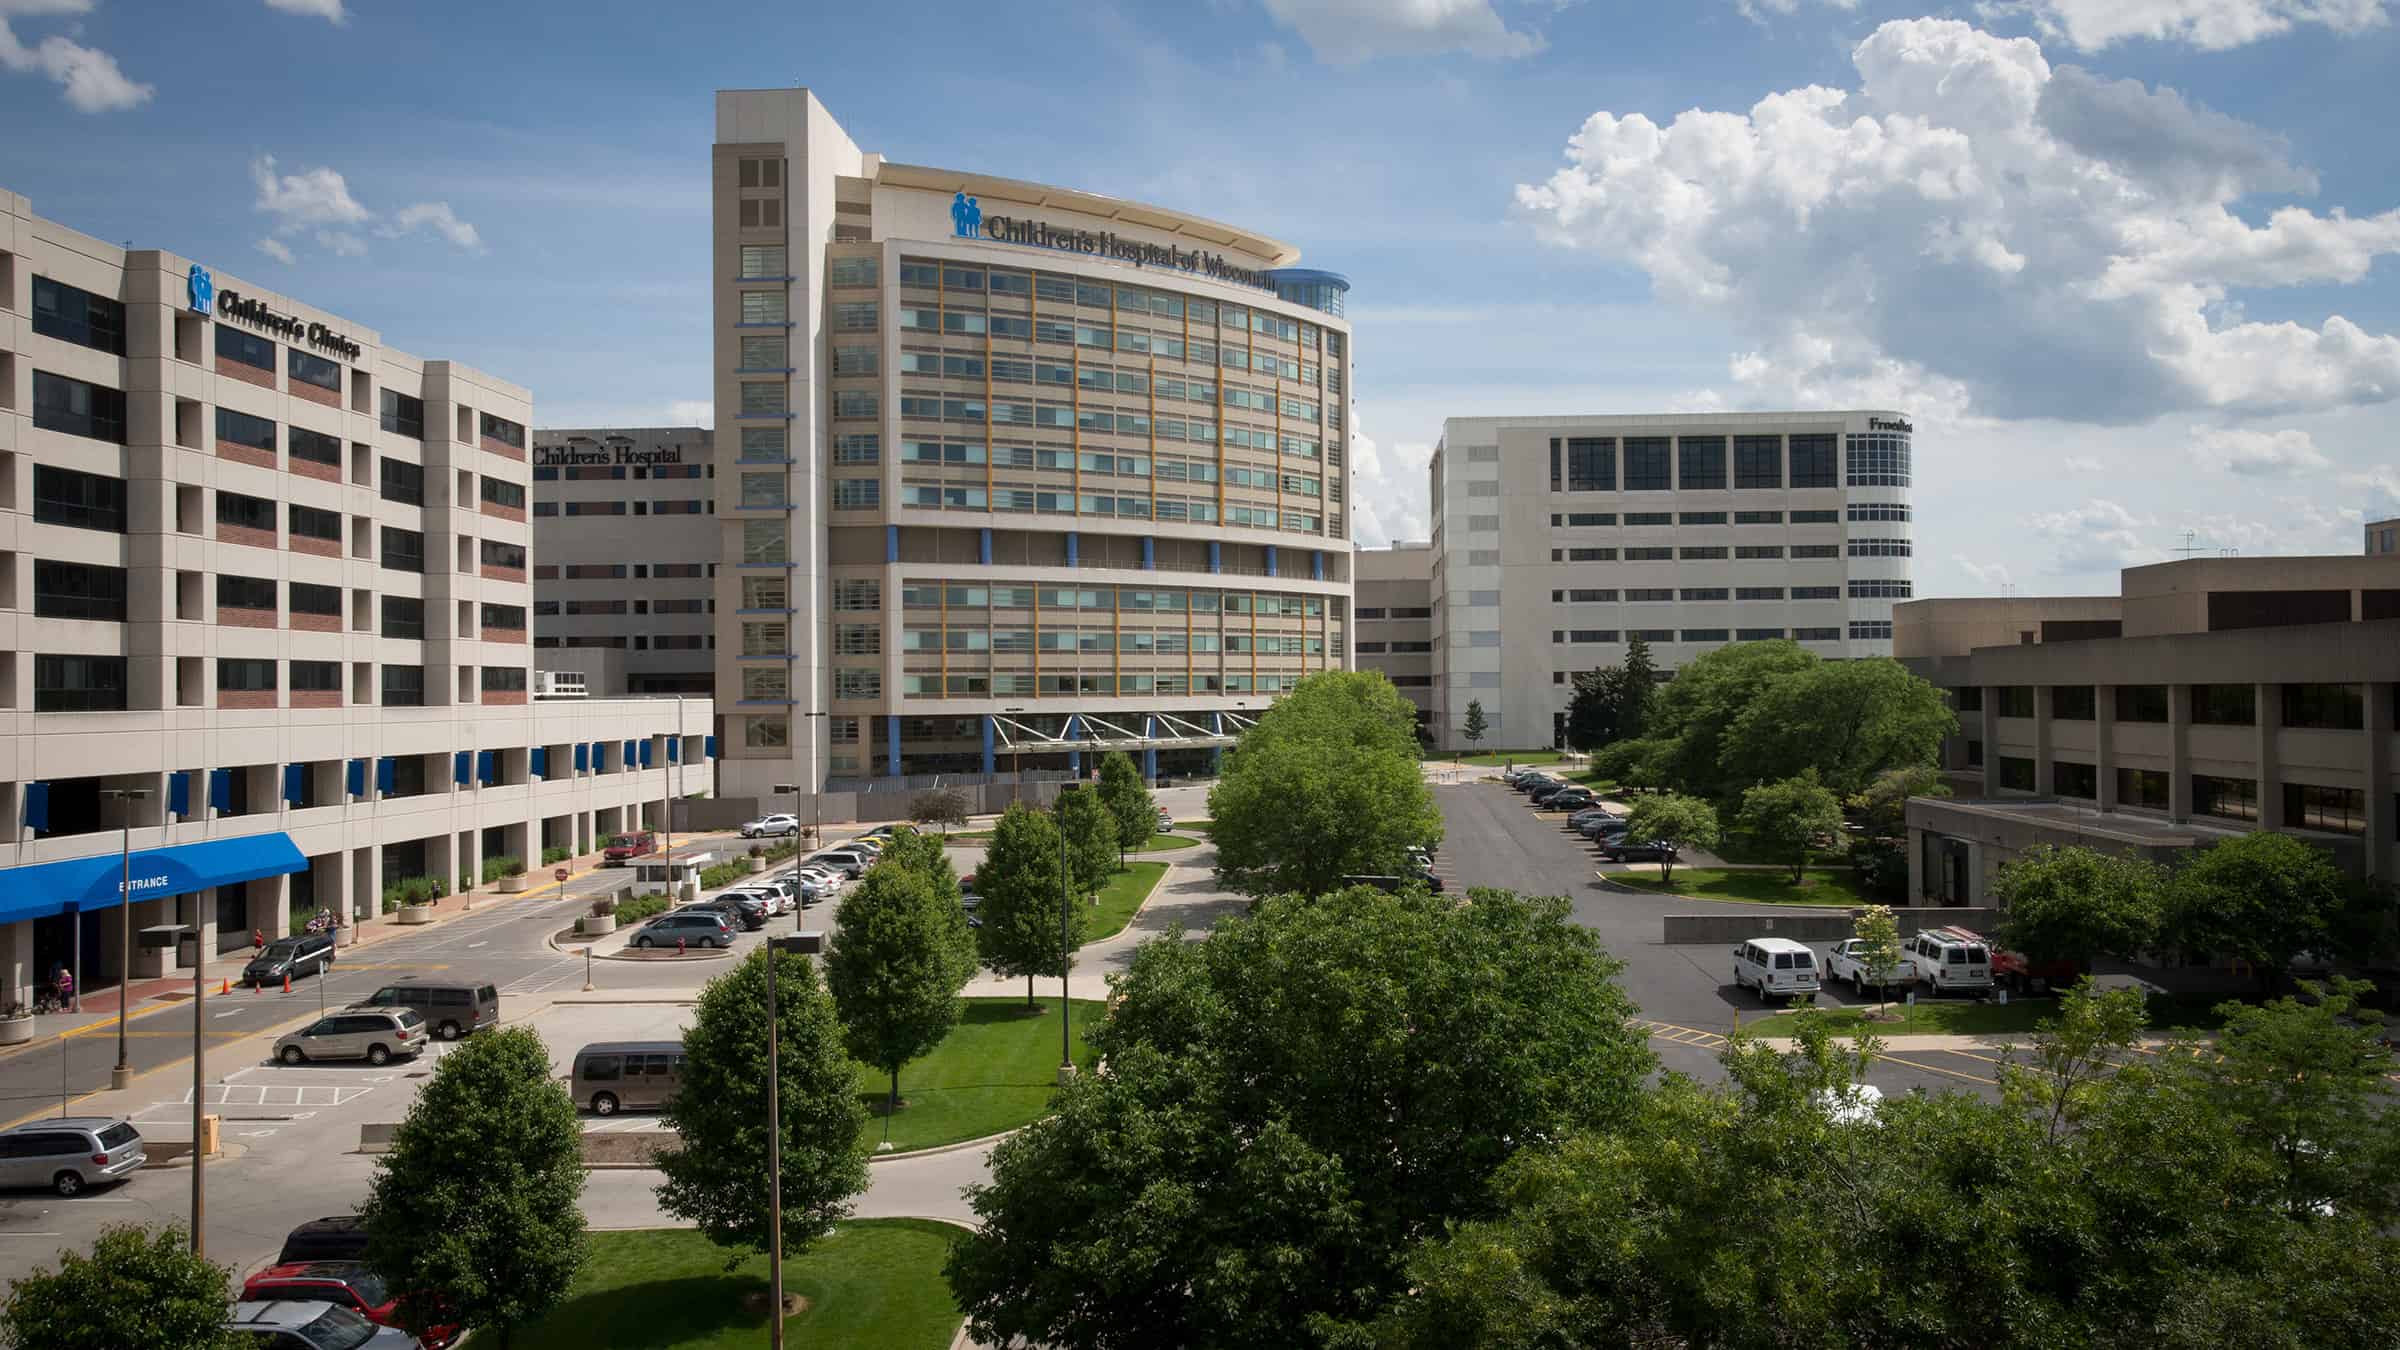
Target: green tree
x=714 y=1179
x=926 y=856
x=1591 y=710
x=1022 y=890
x=2076 y=903
x=1878 y=935
x=479 y=1197
x=1673 y=819
x=2306 y=1081
x=1883 y=808
x=1790 y=816
x=1695 y=713
x=1848 y=720
x=1475 y=724
x=1091 y=838
x=1289 y=1106
x=1128 y=800
x=943 y=806
x=1326 y=785
x=900 y=954
x=1636 y=688
x=140 y=1289
x=2264 y=898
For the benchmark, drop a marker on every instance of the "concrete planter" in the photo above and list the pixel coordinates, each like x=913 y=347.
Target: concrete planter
x=16 y=1030
x=596 y=925
x=514 y=885
x=757 y=865
x=412 y=914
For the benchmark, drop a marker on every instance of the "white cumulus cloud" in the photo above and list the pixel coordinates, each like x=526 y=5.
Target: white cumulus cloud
x=2257 y=454
x=1389 y=491
x=276 y=249
x=2098 y=536
x=1345 y=32
x=320 y=200
x=1973 y=223
x=2211 y=25
x=435 y=216
x=89 y=77
x=692 y=412
x=329 y=10
x=342 y=243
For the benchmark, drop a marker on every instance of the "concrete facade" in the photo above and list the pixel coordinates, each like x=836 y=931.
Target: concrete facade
x=2383 y=536
x=625 y=525
x=1558 y=539
x=2211 y=697
x=1014 y=470
x=274 y=573
x=1395 y=621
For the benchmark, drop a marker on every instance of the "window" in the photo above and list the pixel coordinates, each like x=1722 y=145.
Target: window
x=246 y=676
x=1877 y=511
x=1648 y=464
x=2328 y=707
x=1702 y=518
x=770 y=260
x=247 y=513
x=1704 y=593
x=401 y=415
x=761 y=173
x=1758 y=517
x=857 y=494
x=764 y=396
x=1592 y=464
x=1701 y=463
x=764 y=307
x=78 y=316
x=1879 y=460
x=314 y=446
x=1816 y=592
x=1870 y=630
x=79 y=684
x=2069 y=779
x=2225 y=705
x=78 y=409
x=1583 y=555
x=1705 y=634
x=248 y=348
x=1812 y=462
x=316 y=677
x=1816 y=635
x=310 y=368
x=64 y=590
x=403 y=617
x=2307 y=806
x=1589 y=518
x=1649 y=518
x=85 y=500
x=1755 y=552
x=1660 y=554
x=1816 y=517
x=1967 y=698
x=497 y=554
x=246 y=593
x=2016 y=700
x=2143 y=788
x=1643 y=595
x=404 y=686
x=501 y=492
x=2139 y=703
x=403 y=482
x=1703 y=552
x=760 y=352
x=501 y=429
x=242 y=429
x=503 y=616
x=1588 y=635
x=403 y=550
x=1758 y=461
x=1607 y=596
x=1757 y=634
x=503 y=679
x=1758 y=592
x=1804 y=551
x=2225 y=798
x=306 y=598
x=1879 y=548
x=763 y=541
x=2016 y=774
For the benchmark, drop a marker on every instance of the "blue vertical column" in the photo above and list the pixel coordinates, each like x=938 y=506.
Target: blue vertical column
x=891 y=746
x=1271 y=562
x=1216 y=753
x=1149 y=553
x=984 y=546
x=987 y=717
x=1074 y=757
x=1150 y=752
x=1216 y=556
x=1316 y=564
x=1074 y=547
x=891 y=543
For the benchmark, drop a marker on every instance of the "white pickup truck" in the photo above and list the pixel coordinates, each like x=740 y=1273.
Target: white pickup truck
x=1846 y=961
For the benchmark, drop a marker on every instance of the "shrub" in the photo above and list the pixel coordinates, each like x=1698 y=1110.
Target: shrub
x=555 y=855
x=410 y=891
x=604 y=906
x=506 y=866
x=723 y=874
x=641 y=907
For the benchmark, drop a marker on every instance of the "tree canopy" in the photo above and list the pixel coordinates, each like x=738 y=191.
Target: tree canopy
x=1091 y=838
x=1672 y=818
x=1023 y=900
x=1695 y=712
x=139 y=1289
x=1611 y=704
x=943 y=806
x=1883 y=806
x=1791 y=816
x=1848 y=720
x=1289 y=1106
x=2264 y=898
x=1128 y=801
x=2075 y=903
x=901 y=951
x=1475 y=725
x=1325 y=786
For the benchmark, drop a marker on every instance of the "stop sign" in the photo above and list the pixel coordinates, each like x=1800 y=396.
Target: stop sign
x=560 y=874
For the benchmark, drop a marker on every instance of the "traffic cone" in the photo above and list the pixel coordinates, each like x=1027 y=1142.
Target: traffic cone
x=287 y=981
x=225 y=988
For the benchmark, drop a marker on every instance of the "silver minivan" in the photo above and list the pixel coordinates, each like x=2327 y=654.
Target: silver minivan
x=376 y=1035
x=850 y=862
x=613 y=1076
x=68 y=1153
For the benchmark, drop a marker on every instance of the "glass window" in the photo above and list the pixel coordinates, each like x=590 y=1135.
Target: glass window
x=78 y=683
x=763 y=541
x=403 y=550
x=2225 y=705
x=403 y=482
x=770 y=260
x=2308 y=806
x=501 y=429
x=2073 y=702
x=2143 y=788
x=314 y=446
x=78 y=316
x=2069 y=779
x=763 y=396
x=64 y=590
x=1701 y=463
x=248 y=348
x=316 y=677
x=306 y=598
x=246 y=676
x=498 y=554
x=404 y=686
x=2328 y=707
x=1813 y=462
x=85 y=500
x=75 y=408
x=242 y=429
x=1591 y=464
x=248 y=513
x=310 y=368
x=502 y=679
x=245 y=592
x=1648 y=464
x=2225 y=798
x=403 y=617
x=1879 y=460
x=765 y=443
x=764 y=307
x=2138 y=703
x=857 y=494
x=773 y=352
x=400 y=414
x=1758 y=461
x=2016 y=774
x=501 y=492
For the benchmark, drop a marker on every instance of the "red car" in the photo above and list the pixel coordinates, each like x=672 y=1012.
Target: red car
x=346 y=1283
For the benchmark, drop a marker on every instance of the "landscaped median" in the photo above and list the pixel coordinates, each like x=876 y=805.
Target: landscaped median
x=1825 y=886
x=872 y=1282
x=993 y=1073
x=1120 y=898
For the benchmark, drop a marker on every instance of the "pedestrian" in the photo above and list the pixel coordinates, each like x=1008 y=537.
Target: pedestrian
x=66 y=990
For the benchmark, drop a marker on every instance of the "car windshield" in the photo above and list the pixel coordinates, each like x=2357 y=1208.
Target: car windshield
x=408 y=1018
x=621 y=841
x=281 y=949
x=336 y=1328
x=119 y=1133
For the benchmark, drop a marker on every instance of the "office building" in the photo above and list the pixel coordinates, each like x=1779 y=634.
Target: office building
x=270 y=574
x=2383 y=536
x=1394 y=611
x=625 y=527
x=1017 y=471
x=2209 y=697
x=1556 y=540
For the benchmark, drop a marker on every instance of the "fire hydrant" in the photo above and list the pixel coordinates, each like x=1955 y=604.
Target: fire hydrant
x=679 y=946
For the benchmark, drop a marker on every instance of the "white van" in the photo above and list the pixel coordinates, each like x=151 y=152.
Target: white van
x=1775 y=967
x=1949 y=960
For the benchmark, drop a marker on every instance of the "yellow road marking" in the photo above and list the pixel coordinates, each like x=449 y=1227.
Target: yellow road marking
x=109 y=1027
x=1935 y=1068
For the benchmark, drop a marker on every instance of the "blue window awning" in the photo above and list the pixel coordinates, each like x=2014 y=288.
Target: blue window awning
x=39 y=890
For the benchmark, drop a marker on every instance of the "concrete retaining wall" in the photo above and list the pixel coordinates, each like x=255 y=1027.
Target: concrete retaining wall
x=1833 y=925
x=638 y=1148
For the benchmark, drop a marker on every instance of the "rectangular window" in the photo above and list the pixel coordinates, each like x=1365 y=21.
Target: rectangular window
x=501 y=492
x=857 y=494
x=764 y=396
x=1816 y=517
x=1649 y=465
x=1704 y=593
x=248 y=348
x=1967 y=698
x=497 y=554
x=760 y=261
x=1701 y=461
x=763 y=541
x=2016 y=700
x=403 y=550
x=1758 y=461
x=314 y=446
x=1703 y=552
x=2069 y=779
x=1644 y=595
x=2307 y=806
x=306 y=598
x=503 y=616
x=78 y=683
x=2073 y=702
x=246 y=676
x=1758 y=517
x=763 y=444
x=502 y=679
x=2225 y=798
x=86 y=501
x=248 y=513
x=1701 y=517
x=765 y=352
x=75 y=408
x=2016 y=774
x=310 y=368
x=2326 y=707
x=316 y=677
x=1757 y=634
x=1591 y=464
x=1649 y=554
x=2225 y=705
x=400 y=414
x=403 y=482
x=2142 y=788
x=242 y=429
x=500 y=429
x=64 y=590
x=404 y=686
x=1803 y=551
x=1758 y=592
x=2139 y=703
x=403 y=617
x=1758 y=551
x=78 y=316
x=245 y=592
x=1813 y=463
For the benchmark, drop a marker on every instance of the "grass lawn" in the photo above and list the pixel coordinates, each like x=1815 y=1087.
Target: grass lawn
x=1499 y=757
x=871 y=1282
x=1201 y=826
x=1964 y=1017
x=993 y=1072
x=1160 y=842
x=1818 y=886
x=1123 y=894
x=1595 y=780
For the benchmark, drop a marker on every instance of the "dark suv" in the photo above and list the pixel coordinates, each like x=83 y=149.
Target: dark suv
x=301 y=954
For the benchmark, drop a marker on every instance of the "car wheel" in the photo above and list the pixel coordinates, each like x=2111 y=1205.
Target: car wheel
x=449 y=1031
x=292 y=1055
x=67 y=1183
x=604 y=1103
x=643 y=942
x=378 y=1055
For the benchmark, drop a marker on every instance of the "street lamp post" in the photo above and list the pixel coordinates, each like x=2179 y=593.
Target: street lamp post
x=164 y=937
x=122 y=1074
x=1066 y=954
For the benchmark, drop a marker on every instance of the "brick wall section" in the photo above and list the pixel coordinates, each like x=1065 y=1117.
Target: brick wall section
x=245 y=618
x=491 y=573
x=245 y=698
x=500 y=698
x=309 y=468
x=316 y=623
x=516 y=513
x=504 y=635
x=243 y=534
x=503 y=449
x=323 y=548
x=245 y=454
x=245 y=372
x=316 y=698
x=302 y=389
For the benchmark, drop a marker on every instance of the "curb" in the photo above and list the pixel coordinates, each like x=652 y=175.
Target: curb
x=938 y=1149
x=694 y=954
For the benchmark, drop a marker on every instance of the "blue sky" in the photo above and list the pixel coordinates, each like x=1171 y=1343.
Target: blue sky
x=2127 y=262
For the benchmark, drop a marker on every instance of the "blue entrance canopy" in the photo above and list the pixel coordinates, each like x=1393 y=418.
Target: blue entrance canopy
x=39 y=890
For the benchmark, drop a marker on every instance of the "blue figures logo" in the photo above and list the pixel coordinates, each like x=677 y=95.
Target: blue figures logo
x=204 y=291
x=966 y=216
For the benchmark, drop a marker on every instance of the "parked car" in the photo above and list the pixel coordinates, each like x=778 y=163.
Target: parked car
x=610 y=1076
x=376 y=1035
x=1586 y=816
x=340 y=1237
x=1622 y=849
x=283 y=1324
x=1950 y=960
x=739 y=913
x=692 y=929
x=1775 y=967
x=70 y=1154
x=290 y=957
x=1419 y=858
x=1606 y=828
x=816 y=885
x=344 y=1284
x=1846 y=960
x=626 y=847
x=1571 y=799
x=1545 y=791
x=850 y=862
x=451 y=1009
x=872 y=845
x=765 y=826
x=887 y=831
x=1166 y=822
x=1535 y=782
x=972 y=904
